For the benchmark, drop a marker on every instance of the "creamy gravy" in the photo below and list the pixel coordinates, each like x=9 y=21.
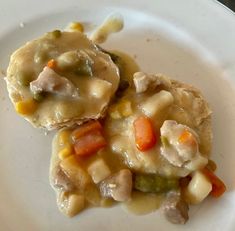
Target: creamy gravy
x=121 y=151
x=112 y=24
x=143 y=203
x=140 y=203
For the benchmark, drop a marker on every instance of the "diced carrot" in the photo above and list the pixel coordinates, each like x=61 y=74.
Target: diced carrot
x=145 y=137
x=187 y=138
x=51 y=64
x=218 y=186
x=85 y=129
x=89 y=143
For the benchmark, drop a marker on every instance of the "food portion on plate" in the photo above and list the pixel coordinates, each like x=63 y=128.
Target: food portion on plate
x=61 y=79
x=123 y=135
x=153 y=145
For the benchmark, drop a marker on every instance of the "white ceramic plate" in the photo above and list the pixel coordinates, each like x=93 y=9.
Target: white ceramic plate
x=189 y=40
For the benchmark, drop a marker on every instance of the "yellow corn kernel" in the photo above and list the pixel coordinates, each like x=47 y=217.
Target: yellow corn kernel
x=64 y=137
x=76 y=203
x=76 y=26
x=114 y=113
x=125 y=108
x=120 y=110
x=26 y=107
x=65 y=152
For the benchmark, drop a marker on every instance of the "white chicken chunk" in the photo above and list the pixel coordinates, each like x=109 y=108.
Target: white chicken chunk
x=117 y=186
x=143 y=81
x=180 y=146
x=49 y=81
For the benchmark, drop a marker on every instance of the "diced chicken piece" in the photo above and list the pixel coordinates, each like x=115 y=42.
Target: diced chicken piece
x=78 y=176
x=98 y=170
x=198 y=188
x=49 y=81
x=175 y=208
x=143 y=81
x=172 y=131
x=117 y=186
x=157 y=103
x=181 y=148
x=61 y=181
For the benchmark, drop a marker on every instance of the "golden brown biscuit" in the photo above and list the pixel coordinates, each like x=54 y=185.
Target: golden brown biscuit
x=61 y=79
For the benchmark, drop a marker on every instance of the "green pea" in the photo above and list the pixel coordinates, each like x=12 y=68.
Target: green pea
x=83 y=69
x=154 y=183
x=24 y=78
x=172 y=183
x=160 y=184
x=55 y=34
x=144 y=184
x=39 y=96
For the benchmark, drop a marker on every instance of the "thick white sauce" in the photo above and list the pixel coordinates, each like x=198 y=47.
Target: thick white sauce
x=112 y=24
x=143 y=203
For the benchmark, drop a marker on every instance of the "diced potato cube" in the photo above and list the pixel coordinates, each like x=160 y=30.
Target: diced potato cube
x=100 y=88
x=26 y=107
x=65 y=152
x=78 y=176
x=157 y=103
x=75 y=204
x=98 y=170
x=198 y=188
